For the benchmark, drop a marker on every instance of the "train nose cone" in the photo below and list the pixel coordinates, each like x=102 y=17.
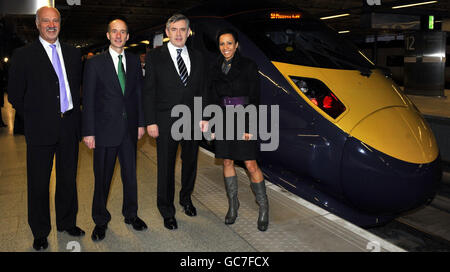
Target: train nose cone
x=399 y=132
x=391 y=162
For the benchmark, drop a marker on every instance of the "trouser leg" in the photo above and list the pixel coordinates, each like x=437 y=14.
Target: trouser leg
x=39 y=168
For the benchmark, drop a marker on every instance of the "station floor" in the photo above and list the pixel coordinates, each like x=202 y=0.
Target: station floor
x=295 y=224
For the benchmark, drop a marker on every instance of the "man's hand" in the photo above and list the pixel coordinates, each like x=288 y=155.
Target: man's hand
x=141 y=132
x=89 y=141
x=153 y=131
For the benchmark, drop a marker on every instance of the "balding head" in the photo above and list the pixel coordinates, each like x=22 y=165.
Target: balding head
x=44 y=8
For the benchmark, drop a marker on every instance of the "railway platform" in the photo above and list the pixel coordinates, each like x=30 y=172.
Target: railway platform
x=295 y=224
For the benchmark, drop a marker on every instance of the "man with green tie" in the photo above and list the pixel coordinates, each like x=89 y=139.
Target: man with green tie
x=112 y=123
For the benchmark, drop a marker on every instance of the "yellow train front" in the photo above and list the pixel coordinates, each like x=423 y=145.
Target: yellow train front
x=349 y=140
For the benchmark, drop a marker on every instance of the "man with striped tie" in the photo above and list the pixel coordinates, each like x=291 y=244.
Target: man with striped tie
x=44 y=88
x=174 y=75
x=112 y=123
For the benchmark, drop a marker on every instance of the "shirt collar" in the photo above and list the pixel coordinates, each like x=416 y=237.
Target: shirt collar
x=47 y=44
x=173 y=48
x=114 y=54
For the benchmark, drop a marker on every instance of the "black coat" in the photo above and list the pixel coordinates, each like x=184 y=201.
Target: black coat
x=33 y=90
x=107 y=113
x=241 y=80
x=163 y=88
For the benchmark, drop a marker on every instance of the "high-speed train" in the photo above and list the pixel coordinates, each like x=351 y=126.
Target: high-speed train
x=349 y=140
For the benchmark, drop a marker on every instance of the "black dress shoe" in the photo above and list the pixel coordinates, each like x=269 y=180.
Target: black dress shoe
x=40 y=243
x=170 y=223
x=137 y=223
x=99 y=233
x=189 y=209
x=74 y=231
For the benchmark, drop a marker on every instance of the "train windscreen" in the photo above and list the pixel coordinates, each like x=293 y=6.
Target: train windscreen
x=301 y=40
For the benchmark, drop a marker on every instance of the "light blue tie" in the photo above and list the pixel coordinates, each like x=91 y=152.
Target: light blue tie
x=62 y=85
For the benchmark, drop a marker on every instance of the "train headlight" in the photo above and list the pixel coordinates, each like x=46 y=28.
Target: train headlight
x=320 y=95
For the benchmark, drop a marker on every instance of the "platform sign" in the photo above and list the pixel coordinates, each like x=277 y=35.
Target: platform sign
x=424 y=63
x=285 y=15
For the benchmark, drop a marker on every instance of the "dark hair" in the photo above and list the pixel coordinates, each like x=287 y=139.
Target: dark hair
x=227 y=31
x=175 y=18
x=118 y=17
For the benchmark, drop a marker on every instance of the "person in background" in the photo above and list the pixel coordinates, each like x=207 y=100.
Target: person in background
x=234 y=80
x=44 y=88
x=142 y=59
x=112 y=123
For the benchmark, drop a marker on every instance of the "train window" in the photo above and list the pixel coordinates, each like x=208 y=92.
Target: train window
x=320 y=95
x=306 y=42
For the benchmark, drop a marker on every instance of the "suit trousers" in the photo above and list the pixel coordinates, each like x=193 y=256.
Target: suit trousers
x=39 y=168
x=104 y=164
x=167 y=149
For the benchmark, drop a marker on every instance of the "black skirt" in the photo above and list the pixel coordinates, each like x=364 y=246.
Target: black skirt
x=236 y=149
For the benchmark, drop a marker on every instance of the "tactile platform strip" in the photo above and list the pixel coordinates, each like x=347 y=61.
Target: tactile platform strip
x=274 y=239
x=292 y=227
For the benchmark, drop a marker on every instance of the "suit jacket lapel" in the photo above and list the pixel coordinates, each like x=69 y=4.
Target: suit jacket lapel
x=67 y=60
x=171 y=64
x=193 y=65
x=42 y=54
x=128 y=71
x=111 y=70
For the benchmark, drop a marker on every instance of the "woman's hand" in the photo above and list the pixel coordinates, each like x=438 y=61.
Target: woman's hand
x=247 y=136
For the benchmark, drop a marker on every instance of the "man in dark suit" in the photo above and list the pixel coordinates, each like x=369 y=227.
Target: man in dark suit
x=174 y=75
x=44 y=88
x=112 y=124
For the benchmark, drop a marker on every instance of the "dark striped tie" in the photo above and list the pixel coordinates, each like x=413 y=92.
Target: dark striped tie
x=182 y=67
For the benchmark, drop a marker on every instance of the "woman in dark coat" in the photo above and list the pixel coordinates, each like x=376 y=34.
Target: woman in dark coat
x=234 y=81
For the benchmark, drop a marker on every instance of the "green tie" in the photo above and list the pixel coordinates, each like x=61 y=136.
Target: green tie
x=121 y=74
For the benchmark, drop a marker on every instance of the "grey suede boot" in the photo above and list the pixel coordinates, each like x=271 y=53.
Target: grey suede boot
x=231 y=186
x=259 y=189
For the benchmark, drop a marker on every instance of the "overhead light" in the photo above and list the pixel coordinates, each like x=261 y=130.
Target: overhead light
x=344 y=31
x=5 y=60
x=335 y=16
x=414 y=4
x=362 y=54
x=133 y=45
x=145 y=42
x=42 y=3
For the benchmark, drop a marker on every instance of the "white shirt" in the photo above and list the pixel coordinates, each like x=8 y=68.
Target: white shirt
x=184 y=56
x=49 y=50
x=115 y=58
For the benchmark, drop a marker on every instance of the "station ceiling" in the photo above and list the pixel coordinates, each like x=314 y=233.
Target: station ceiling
x=84 y=24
